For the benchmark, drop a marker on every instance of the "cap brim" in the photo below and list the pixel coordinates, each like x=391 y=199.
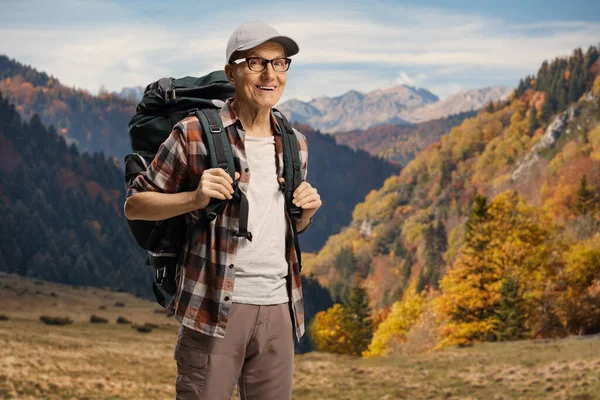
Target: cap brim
x=290 y=46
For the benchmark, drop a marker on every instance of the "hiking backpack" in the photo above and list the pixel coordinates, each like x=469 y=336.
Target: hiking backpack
x=165 y=103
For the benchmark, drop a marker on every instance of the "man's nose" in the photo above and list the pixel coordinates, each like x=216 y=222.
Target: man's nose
x=268 y=71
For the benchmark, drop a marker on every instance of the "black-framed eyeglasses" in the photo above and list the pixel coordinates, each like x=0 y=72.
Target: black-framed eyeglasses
x=258 y=64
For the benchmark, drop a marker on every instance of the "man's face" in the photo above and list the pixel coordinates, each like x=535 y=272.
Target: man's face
x=261 y=89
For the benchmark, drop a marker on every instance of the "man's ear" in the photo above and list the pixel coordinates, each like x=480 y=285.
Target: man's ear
x=229 y=73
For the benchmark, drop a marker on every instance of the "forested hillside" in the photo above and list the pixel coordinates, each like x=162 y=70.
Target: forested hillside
x=400 y=143
x=343 y=178
x=490 y=234
x=93 y=123
x=62 y=217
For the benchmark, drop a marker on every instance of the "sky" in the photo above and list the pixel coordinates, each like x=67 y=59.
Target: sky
x=443 y=46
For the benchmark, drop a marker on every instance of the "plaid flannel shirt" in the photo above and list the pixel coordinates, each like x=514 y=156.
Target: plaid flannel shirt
x=207 y=268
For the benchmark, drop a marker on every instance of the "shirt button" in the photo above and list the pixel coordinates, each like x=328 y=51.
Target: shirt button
x=226 y=298
x=230 y=266
x=247 y=170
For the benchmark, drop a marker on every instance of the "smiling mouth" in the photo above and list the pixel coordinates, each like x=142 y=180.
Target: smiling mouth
x=266 y=88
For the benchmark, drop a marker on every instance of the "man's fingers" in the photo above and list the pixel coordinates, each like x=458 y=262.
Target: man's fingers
x=307 y=199
x=312 y=205
x=237 y=176
x=218 y=188
x=220 y=180
x=301 y=189
x=219 y=172
x=215 y=194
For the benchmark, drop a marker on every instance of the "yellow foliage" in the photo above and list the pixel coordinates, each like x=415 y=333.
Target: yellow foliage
x=413 y=227
x=503 y=151
x=378 y=206
x=401 y=318
x=583 y=262
x=594 y=138
x=578 y=302
x=513 y=240
x=455 y=242
x=326 y=331
x=596 y=87
x=568 y=152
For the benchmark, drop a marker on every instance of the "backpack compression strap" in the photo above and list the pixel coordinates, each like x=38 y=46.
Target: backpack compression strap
x=221 y=156
x=292 y=171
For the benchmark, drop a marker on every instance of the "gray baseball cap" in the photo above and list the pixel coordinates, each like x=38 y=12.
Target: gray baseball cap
x=251 y=34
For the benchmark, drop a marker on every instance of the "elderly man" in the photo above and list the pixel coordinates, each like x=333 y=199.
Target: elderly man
x=239 y=301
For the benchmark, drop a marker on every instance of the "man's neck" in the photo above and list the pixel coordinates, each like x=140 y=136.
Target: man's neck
x=256 y=121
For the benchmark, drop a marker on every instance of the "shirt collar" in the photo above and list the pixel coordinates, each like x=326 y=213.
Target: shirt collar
x=229 y=117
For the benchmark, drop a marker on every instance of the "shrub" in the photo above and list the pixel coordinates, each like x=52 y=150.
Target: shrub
x=55 y=320
x=102 y=308
x=142 y=328
x=3 y=317
x=39 y=283
x=94 y=319
x=119 y=304
x=123 y=320
x=52 y=294
x=151 y=326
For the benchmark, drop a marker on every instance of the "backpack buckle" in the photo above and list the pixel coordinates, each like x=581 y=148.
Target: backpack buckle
x=161 y=274
x=215 y=128
x=193 y=111
x=246 y=234
x=296 y=213
x=170 y=95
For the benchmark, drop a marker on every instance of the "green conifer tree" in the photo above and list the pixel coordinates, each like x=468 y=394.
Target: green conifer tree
x=358 y=312
x=586 y=202
x=511 y=311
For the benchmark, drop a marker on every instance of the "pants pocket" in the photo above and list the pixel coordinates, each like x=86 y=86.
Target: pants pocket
x=192 y=371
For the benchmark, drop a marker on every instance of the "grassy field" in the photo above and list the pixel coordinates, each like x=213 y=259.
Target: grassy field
x=114 y=361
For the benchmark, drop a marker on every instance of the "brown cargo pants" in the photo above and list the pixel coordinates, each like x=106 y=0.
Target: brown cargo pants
x=257 y=354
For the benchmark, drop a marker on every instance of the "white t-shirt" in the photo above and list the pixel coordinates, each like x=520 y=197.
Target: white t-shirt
x=261 y=266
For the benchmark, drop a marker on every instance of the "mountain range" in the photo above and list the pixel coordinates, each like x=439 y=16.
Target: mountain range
x=399 y=105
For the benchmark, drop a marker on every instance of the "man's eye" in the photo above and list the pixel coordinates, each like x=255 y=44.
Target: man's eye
x=255 y=62
x=279 y=62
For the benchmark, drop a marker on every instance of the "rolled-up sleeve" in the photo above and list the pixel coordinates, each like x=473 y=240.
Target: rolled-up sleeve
x=168 y=170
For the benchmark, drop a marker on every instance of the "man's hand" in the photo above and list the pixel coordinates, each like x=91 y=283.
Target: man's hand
x=307 y=198
x=215 y=183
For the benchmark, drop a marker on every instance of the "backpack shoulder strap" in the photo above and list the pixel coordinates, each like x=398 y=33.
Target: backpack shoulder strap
x=292 y=165
x=220 y=156
x=292 y=171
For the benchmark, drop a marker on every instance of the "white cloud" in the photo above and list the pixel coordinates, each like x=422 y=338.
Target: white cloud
x=404 y=79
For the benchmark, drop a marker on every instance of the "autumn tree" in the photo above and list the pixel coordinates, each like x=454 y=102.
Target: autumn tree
x=358 y=323
x=585 y=208
x=392 y=331
x=346 y=266
x=512 y=312
x=581 y=299
x=344 y=329
x=586 y=202
x=505 y=238
x=327 y=331
x=533 y=122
